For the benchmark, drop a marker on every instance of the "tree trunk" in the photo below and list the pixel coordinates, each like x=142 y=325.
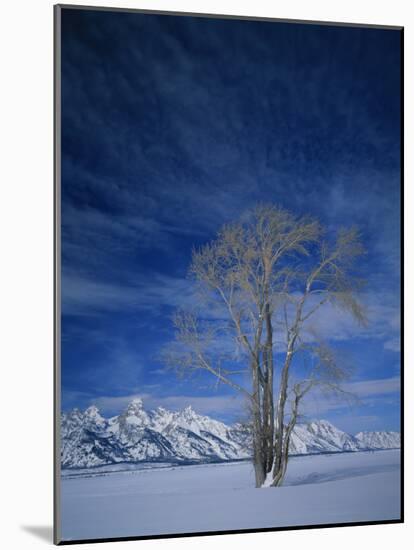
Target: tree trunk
x=259 y=464
x=258 y=458
x=279 y=475
x=280 y=435
x=268 y=408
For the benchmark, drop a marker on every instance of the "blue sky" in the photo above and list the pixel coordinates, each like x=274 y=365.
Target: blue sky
x=172 y=126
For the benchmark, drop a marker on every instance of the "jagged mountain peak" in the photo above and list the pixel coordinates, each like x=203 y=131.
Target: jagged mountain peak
x=74 y=413
x=188 y=413
x=136 y=405
x=93 y=417
x=377 y=440
x=92 y=411
x=134 y=416
x=321 y=424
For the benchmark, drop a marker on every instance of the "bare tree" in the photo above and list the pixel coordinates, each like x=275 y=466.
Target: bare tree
x=268 y=269
x=327 y=375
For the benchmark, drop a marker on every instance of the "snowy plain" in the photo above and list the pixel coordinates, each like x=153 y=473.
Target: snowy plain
x=319 y=489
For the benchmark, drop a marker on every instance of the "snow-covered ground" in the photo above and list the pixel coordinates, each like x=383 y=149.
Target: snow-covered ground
x=319 y=489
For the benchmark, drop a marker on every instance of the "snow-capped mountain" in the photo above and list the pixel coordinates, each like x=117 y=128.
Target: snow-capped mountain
x=379 y=440
x=321 y=437
x=137 y=435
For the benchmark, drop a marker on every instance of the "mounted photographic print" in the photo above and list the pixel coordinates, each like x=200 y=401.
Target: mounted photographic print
x=228 y=274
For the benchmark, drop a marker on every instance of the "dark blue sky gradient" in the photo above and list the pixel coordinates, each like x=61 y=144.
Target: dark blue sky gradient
x=172 y=126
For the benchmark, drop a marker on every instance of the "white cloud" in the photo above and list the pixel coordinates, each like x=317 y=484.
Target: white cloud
x=333 y=323
x=87 y=296
x=366 y=393
x=369 y=388
x=394 y=344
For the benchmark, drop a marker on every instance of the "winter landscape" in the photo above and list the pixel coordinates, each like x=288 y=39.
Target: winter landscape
x=230 y=275
x=154 y=472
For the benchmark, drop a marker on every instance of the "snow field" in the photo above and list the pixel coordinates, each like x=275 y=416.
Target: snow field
x=319 y=489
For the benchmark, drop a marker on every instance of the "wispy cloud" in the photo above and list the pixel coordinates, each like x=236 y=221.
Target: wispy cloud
x=383 y=321
x=89 y=296
x=370 y=388
x=394 y=344
x=365 y=393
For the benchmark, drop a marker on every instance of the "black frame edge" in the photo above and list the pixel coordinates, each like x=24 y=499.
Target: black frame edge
x=56 y=269
x=402 y=263
x=232 y=532
x=229 y=16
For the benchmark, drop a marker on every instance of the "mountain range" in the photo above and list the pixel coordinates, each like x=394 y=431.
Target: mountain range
x=136 y=435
